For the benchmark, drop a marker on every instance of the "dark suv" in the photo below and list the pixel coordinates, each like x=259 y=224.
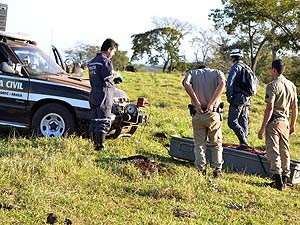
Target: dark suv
x=36 y=93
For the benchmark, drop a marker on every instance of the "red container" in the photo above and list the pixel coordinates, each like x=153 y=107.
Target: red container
x=141 y=102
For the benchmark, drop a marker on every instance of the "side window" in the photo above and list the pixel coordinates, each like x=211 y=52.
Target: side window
x=32 y=60
x=35 y=61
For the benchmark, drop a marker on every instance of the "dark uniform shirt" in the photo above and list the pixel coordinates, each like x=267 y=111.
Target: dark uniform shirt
x=101 y=80
x=102 y=93
x=233 y=91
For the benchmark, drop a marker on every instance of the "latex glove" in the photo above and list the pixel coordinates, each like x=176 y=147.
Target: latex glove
x=119 y=78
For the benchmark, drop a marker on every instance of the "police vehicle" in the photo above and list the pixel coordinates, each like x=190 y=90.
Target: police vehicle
x=36 y=93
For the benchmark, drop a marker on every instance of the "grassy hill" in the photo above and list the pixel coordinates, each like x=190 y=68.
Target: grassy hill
x=66 y=177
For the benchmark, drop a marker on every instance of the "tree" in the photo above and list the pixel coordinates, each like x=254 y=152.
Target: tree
x=292 y=70
x=83 y=53
x=257 y=24
x=219 y=47
x=161 y=43
x=183 y=27
x=120 y=60
x=202 y=44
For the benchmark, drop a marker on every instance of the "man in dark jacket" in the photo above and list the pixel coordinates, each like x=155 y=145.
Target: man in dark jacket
x=239 y=102
x=101 y=97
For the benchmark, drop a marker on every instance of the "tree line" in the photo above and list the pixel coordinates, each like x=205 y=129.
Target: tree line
x=263 y=29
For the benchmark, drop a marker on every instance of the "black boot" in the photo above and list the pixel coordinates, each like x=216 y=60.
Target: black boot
x=242 y=137
x=278 y=182
x=284 y=181
x=99 y=139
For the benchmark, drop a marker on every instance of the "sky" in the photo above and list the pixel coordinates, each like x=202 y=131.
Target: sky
x=63 y=23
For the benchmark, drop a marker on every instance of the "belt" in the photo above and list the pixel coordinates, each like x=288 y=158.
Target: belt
x=204 y=108
x=218 y=108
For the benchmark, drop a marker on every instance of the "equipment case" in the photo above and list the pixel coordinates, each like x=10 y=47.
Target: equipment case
x=238 y=160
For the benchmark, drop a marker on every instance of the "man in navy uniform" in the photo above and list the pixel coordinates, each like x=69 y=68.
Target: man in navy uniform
x=101 y=97
x=238 y=114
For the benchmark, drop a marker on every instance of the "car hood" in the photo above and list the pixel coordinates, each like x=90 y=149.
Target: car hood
x=79 y=82
x=82 y=83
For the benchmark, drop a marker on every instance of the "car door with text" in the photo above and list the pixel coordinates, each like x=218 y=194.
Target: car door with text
x=14 y=89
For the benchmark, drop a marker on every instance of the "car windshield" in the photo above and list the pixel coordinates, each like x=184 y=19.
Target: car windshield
x=36 y=61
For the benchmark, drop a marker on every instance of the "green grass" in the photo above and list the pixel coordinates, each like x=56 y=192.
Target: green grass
x=65 y=176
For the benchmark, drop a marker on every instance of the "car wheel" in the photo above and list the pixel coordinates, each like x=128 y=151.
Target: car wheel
x=53 y=120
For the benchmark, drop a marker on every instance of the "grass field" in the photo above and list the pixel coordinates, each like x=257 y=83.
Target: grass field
x=66 y=177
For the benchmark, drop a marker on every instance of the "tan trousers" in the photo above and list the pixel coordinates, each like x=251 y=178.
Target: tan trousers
x=207 y=127
x=277 y=146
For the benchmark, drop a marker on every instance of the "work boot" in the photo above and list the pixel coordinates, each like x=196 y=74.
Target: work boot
x=242 y=138
x=284 y=181
x=242 y=147
x=202 y=170
x=278 y=182
x=217 y=173
x=99 y=141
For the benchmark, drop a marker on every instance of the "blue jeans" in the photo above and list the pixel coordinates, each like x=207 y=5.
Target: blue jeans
x=238 y=121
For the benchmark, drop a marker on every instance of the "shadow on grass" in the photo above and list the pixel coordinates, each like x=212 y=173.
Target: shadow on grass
x=150 y=156
x=100 y=159
x=261 y=147
x=242 y=177
x=5 y=134
x=113 y=164
x=8 y=132
x=5 y=153
x=141 y=165
x=164 y=159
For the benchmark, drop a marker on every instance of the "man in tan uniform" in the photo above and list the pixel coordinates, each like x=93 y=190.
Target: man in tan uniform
x=205 y=87
x=281 y=96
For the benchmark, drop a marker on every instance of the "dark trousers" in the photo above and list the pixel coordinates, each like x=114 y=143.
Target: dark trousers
x=100 y=123
x=99 y=126
x=238 y=121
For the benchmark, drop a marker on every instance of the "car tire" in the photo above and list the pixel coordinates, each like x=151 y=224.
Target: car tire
x=53 y=120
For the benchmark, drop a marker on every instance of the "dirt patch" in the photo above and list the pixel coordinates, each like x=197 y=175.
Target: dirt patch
x=183 y=213
x=51 y=218
x=145 y=164
x=161 y=136
x=8 y=206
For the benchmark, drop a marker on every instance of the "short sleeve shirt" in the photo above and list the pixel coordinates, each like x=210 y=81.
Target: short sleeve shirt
x=204 y=83
x=281 y=92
